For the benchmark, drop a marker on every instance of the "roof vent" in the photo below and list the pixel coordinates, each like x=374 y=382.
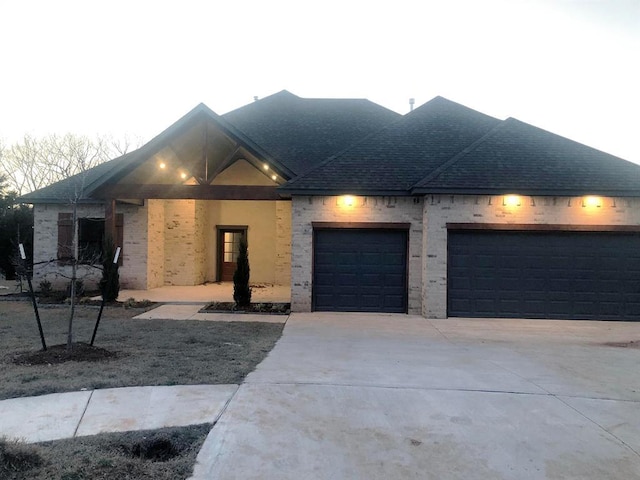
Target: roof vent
x=255 y=98
x=412 y=102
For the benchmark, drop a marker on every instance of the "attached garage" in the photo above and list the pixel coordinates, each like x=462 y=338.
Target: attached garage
x=360 y=269
x=544 y=274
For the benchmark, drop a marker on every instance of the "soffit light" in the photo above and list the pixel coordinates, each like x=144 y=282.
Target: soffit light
x=348 y=200
x=591 y=201
x=511 y=201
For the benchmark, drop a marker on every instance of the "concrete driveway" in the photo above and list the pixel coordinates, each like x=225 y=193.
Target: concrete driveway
x=363 y=396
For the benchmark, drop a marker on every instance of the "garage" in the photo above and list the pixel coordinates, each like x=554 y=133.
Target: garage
x=544 y=274
x=360 y=269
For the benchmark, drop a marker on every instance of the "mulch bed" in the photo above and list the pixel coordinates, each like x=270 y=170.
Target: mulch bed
x=271 y=308
x=56 y=354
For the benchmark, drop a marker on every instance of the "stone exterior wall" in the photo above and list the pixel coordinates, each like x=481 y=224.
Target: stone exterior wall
x=442 y=209
x=179 y=246
x=283 y=243
x=45 y=247
x=306 y=209
x=155 y=244
x=428 y=233
x=200 y=238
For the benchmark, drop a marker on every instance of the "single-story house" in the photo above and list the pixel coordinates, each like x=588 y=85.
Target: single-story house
x=443 y=212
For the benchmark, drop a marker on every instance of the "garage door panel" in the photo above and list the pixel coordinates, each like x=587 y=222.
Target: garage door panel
x=544 y=274
x=360 y=270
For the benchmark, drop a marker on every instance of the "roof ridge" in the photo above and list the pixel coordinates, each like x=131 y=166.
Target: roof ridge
x=465 y=151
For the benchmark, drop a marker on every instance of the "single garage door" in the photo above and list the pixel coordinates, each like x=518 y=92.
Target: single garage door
x=573 y=275
x=360 y=270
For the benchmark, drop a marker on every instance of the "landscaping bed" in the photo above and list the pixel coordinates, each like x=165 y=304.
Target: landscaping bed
x=271 y=308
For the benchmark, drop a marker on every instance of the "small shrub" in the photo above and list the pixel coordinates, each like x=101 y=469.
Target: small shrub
x=110 y=281
x=17 y=457
x=241 y=288
x=45 y=288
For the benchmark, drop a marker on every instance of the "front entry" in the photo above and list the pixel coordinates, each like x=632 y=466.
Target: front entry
x=228 y=248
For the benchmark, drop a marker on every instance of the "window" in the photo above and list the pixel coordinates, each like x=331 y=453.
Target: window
x=90 y=237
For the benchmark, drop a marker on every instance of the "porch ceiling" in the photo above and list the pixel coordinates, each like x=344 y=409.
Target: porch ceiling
x=185 y=164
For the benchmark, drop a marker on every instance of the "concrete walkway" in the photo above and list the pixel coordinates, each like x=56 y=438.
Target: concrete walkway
x=76 y=414
x=391 y=396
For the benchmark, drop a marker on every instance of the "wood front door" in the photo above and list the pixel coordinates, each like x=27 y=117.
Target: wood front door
x=228 y=247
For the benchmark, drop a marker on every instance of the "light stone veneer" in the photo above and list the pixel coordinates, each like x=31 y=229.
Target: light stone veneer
x=133 y=272
x=173 y=242
x=428 y=233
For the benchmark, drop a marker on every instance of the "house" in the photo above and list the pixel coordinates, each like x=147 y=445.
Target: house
x=441 y=212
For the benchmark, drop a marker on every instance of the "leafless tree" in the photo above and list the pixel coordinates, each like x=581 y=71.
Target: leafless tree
x=37 y=162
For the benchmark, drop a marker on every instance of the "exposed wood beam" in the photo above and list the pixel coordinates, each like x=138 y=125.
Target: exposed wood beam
x=200 y=192
x=110 y=218
x=222 y=165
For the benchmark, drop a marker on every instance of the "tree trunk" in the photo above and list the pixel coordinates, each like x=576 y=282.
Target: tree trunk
x=74 y=275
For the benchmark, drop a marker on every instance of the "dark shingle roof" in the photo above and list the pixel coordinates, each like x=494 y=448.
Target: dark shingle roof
x=440 y=147
x=396 y=157
x=290 y=132
x=301 y=132
x=517 y=157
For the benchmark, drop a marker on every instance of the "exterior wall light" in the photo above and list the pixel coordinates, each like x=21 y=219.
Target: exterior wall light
x=511 y=201
x=274 y=177
x=183 y=175
x=265 y=166
x=162 y=165
x=348 y=200
x=591 y=202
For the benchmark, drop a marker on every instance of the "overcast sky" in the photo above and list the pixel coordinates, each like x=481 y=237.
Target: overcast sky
x=134 y=67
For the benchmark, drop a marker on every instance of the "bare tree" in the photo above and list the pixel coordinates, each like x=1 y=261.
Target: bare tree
x=36 y=162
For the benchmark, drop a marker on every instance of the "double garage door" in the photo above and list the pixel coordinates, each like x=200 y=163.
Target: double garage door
x=360 y=270
x=543 y=274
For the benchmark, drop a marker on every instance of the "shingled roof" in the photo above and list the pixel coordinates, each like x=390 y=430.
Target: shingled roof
x=291 y=133
x=301 y=132
x=522 y=158
x=398 y=156
x=444 y=147
x=334 y=146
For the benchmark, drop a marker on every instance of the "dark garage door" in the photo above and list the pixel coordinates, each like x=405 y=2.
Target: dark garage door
x=573 y=275
x=360 y=270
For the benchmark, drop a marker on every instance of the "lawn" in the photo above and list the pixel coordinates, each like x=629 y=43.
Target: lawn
x=147 y=352
x=164 y=454
x=141 y=352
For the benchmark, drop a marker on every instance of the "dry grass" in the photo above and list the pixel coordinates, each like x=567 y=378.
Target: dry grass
x=147 y=352
x=165 y=454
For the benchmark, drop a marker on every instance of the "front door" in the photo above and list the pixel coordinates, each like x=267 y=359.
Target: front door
x=228 y=247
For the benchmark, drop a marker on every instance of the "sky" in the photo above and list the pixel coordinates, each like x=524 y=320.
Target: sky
x=134 y=67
